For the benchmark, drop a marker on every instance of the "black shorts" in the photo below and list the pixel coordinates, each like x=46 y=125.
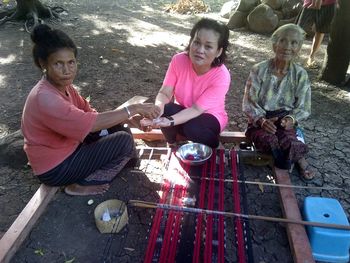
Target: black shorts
x=322 y=18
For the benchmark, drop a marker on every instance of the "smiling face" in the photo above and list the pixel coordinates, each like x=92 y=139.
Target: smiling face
x=61 y=68
x=287 y=46
x=204 y=49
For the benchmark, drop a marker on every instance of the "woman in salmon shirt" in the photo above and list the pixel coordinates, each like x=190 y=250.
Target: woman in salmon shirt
x=63 y=134
x=192 y=97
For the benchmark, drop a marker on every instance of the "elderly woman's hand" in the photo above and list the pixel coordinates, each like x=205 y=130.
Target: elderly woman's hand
x=147 y=110
x=287 y=123
x=269 y=125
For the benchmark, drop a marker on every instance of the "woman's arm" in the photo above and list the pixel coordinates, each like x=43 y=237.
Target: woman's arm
x=250 y=105
x=108 y=119
x=164 y=96
x=180 y=117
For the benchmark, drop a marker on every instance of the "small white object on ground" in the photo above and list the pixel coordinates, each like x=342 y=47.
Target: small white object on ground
x=188 y=201
x=90 y=202
x=106 y=216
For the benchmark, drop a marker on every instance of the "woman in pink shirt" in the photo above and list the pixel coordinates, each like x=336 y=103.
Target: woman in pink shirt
x=62 y=132
x=192 y=97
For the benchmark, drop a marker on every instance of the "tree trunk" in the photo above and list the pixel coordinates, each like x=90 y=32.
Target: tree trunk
x=338 y=50
x=25 y=7
x=30 y=11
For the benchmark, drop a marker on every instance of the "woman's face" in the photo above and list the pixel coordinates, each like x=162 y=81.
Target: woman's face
x=287 y=46
x=61 y=68
x=204 y=49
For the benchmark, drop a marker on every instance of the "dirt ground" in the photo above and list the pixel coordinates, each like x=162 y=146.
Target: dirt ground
x=124 y=50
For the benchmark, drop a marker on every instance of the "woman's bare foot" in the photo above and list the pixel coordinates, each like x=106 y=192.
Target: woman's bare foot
x=76 y=189
x=305 y=170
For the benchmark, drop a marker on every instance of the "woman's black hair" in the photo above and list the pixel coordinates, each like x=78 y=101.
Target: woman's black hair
x=223 y=42
x=47 y=41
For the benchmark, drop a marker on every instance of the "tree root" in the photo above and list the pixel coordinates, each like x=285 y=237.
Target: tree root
x=32 y=16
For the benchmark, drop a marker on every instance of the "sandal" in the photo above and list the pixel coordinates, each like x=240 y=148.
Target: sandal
x=311 y=64
x=305 y=171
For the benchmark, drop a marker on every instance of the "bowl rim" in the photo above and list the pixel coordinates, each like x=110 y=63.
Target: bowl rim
x=179 y=155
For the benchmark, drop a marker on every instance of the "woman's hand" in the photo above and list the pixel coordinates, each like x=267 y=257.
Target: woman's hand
x=155 y=123
x=269 y=125
x=147 y=110
x=287 y=123
x=162 y=122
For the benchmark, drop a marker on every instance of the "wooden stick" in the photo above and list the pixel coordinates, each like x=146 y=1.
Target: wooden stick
x=144 y=204
x=157 y=135
x=268 y=184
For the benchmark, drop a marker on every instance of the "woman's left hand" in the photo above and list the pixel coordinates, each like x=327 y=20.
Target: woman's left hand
x=149 y=124
x=287 y=123
x=162 y=122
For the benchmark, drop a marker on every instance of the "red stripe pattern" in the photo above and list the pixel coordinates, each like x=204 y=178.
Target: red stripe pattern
x=209 y=233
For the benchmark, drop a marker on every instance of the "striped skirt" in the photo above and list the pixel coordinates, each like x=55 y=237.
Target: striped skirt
x=321 y=18
x=96 y=161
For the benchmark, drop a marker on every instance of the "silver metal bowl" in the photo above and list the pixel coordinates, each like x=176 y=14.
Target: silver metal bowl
x=194 y=153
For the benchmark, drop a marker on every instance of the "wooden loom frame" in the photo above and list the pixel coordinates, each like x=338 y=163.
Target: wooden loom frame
x=21 y=227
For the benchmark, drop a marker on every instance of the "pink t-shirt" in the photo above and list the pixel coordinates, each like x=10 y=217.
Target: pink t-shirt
x=207 y=91
x=54 y=124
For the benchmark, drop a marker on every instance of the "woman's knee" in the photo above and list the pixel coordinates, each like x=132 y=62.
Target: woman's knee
x=205 y=136
x=264 y=140
x=123 y=140
x=172 y=108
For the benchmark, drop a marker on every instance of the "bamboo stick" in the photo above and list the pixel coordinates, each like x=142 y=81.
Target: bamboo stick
x=269 y=184
x=144 y=204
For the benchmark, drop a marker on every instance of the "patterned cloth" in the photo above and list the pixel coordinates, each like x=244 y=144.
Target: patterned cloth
x=264 y=92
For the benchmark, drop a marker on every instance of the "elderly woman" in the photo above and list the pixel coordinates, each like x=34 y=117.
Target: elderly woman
x=192 y=97
x=278 y=98
x=67 y=142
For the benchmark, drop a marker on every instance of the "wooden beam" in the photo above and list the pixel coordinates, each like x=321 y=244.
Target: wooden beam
x=157 y=135
x=25 y=221
x=133 y=100
x=298 y=240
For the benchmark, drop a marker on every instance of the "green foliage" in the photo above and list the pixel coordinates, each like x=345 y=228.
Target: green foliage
x=39 y=252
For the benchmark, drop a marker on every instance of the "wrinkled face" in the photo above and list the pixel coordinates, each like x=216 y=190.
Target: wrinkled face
x=287 y=46
x=204 y=49
x=61 y=68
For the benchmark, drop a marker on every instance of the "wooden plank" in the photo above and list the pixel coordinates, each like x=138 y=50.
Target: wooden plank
x=157 y=135
x=133 y=100
x=298 y=240
x=25 y=221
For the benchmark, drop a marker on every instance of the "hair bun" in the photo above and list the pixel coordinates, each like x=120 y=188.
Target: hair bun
x=40 y=33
